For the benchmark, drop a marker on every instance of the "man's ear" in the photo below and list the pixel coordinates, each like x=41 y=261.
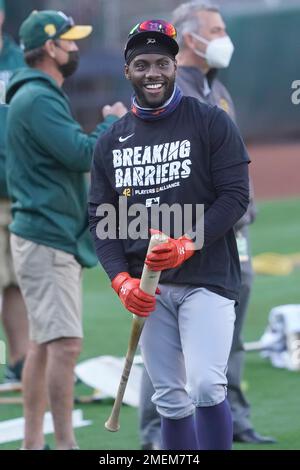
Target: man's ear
x=126 y=72
x=175 y=65
x=49 y=47
x=189 y=41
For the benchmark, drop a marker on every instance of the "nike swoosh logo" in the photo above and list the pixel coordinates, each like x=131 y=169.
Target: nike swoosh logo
x=122 y=139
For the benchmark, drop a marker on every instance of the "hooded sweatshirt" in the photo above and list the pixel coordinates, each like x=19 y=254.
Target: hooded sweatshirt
x=48 y=155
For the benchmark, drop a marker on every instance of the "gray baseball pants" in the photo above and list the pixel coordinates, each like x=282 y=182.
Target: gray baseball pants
x=185 y=346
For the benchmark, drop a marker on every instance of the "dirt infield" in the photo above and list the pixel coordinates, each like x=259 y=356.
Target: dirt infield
x=275 y=169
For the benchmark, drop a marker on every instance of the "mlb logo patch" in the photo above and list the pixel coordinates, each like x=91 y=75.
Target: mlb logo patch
x=153 y=201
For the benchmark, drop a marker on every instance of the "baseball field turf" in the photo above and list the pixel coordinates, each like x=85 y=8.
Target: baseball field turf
x=273 y=393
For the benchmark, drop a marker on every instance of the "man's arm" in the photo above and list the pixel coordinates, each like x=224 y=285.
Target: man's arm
x=58 y=134
x=229 y=172
x=230 y=205
x=250 y=215
x=110 y=252
x=111 y=113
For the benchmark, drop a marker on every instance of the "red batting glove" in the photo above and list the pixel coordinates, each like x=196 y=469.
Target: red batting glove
x=132 y=297
x=170 y=254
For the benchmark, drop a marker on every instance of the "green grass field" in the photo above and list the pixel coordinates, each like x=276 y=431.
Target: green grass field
x=273 y=393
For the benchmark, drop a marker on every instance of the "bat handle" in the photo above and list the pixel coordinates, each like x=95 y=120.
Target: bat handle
x=150 y=279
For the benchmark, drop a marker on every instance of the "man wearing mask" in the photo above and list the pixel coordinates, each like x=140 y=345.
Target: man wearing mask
x=48 y=155
x=206 y=47
x=13 y=311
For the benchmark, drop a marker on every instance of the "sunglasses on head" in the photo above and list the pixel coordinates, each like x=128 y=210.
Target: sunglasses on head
x=68 y=24
x=159 y=26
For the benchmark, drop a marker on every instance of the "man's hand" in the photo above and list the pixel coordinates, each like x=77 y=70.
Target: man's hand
x=170 y=254
x=117 y=109
x=132 y=297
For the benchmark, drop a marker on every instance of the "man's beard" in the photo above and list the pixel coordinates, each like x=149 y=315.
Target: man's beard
x=142 y=98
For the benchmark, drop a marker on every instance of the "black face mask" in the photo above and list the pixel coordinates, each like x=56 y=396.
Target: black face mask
x=69 y=67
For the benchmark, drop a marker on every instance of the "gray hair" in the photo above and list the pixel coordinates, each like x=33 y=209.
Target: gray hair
x=185 y=20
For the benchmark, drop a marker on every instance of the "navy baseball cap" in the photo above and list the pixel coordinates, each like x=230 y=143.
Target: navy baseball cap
x=42 y=25
x=150 y=37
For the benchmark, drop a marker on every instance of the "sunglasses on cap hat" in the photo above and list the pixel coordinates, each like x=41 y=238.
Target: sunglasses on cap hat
x=159 y=26
x=42 y=25
x=68 y=24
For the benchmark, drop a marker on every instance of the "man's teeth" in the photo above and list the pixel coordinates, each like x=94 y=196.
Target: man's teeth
x=154 y=86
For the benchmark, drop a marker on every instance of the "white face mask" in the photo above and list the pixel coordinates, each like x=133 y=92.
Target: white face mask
x=218 y=52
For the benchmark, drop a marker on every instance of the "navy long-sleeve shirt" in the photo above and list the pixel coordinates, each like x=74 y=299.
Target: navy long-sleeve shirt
x=194 y=156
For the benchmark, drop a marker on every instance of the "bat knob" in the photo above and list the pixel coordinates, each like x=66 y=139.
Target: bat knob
x=112 y=427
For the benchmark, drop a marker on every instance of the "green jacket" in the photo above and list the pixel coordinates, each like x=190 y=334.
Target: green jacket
x=48 y=155
x=11 y=58
x=3 y=115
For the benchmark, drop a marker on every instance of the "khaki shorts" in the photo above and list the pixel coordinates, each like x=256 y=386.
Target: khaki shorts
x=7 y=273
x=50 y=281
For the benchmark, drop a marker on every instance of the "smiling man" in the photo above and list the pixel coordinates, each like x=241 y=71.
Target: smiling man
x=153 y=79
x=173 y=149
x=205 y=47
x=150 y=66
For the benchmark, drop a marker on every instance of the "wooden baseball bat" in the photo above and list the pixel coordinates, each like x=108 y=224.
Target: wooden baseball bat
x=149 y=281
